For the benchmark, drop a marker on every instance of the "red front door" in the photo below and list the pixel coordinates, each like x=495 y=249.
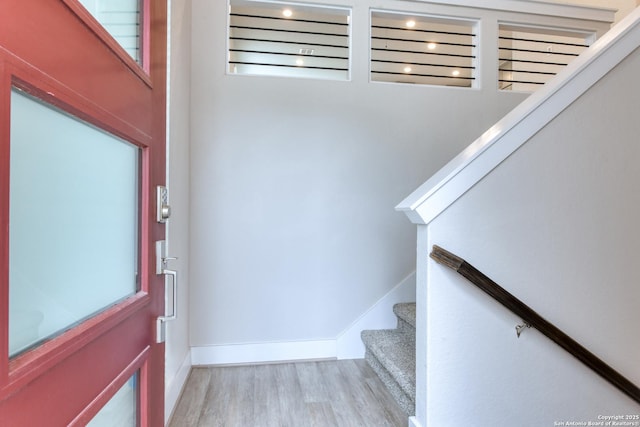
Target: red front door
x=82 y=149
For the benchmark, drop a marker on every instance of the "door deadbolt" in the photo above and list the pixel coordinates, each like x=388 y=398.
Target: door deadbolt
x=165 y=212
x=163 y=208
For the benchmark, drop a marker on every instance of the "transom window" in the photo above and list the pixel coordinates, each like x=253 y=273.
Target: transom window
x=286 y=39
x=529 y=56
x=422 y=49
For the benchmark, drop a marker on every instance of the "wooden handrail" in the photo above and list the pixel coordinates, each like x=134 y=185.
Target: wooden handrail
x=533 y=319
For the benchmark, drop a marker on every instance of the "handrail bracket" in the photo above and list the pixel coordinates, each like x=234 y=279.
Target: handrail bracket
x=521 y=328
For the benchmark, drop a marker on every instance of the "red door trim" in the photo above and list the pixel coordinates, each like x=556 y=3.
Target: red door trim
x=21 y=370
x=29 y=366
x=94 y=407
x=43 y=87
x=158 y=70
x=141 y=70
x=44 y=400
x=82 y=79
x=5 y=100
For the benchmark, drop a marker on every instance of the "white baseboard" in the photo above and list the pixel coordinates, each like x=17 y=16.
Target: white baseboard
x=413 y=422
x=174 y=390
x=347 y=345
x=379 y=316
x=263 y=352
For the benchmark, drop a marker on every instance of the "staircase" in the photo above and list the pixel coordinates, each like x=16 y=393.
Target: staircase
x=391 y=353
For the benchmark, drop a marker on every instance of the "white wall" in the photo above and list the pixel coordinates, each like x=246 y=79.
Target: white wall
x=177 y=357
x=556 y=225
x=294 y=182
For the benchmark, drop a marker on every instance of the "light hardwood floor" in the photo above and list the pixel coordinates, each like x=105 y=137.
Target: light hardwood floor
x=343 y=393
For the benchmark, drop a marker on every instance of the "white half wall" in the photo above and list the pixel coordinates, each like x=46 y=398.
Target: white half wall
x=556 y=225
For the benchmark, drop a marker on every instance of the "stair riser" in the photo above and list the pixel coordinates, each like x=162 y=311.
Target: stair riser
x=391 y=354
x=404 y=400
x=406 y=327
x=406 y=312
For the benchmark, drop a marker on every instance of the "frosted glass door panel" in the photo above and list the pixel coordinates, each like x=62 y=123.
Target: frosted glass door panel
x=121 y=18
x=122 y=409
x=73 y=232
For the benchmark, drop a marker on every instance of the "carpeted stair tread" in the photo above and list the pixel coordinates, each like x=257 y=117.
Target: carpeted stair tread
x=394 y=352
x=406 y=312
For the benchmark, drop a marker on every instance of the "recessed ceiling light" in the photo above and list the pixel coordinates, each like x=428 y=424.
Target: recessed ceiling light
x=455 y=73
x=411 y=23
x=407 y=69
x=287 y=13
x=299 y=62
x=431 y=45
